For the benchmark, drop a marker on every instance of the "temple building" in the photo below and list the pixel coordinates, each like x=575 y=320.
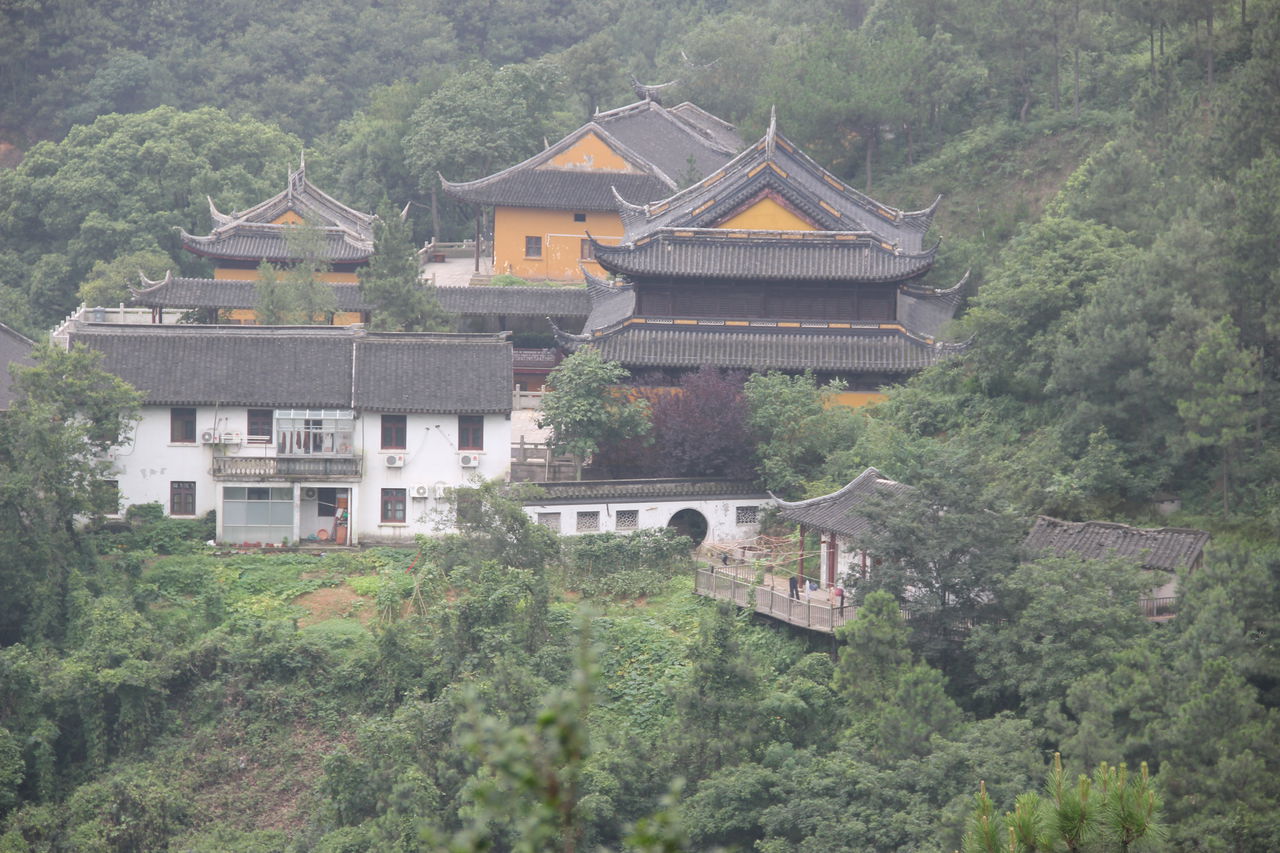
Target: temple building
x=241 y=241
x=544 y=207
x=769 y=263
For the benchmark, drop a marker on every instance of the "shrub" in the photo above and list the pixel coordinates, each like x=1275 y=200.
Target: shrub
x=624 y=565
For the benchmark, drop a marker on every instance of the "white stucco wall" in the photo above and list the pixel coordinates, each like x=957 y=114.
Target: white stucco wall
x=721 y=515
x=145 y=469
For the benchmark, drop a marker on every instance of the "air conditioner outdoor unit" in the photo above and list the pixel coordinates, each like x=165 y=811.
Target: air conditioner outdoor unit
x=209 y=437
x=395 y=460
x=421 y=490
x=468 y=460
x=309 y=493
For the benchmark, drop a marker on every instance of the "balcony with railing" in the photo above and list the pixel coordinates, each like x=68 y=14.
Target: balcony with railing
x=286 y=467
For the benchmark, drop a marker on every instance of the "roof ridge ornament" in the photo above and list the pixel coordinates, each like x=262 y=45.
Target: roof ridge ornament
x=771 y=136
x=647 y=92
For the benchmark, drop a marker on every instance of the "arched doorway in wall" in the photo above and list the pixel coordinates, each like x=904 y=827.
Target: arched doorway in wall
x=691 y=523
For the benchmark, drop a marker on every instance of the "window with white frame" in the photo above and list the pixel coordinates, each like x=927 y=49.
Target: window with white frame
x=589 y=522
x=627 y=519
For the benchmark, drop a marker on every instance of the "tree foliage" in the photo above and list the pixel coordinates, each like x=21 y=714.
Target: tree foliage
x=586 y=406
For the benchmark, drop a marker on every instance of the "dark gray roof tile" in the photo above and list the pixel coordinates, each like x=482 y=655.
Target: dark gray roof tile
x=842 y=511
x=305 y=367
x=864 y=350
x=515 y=301
x=1167 y=548
x=640 y=490
x=804 y=255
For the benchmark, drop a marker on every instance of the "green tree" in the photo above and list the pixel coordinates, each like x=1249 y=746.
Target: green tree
x=110 y=282
x=53 y=444
x=797 y=427
x=391 y=282
x=1112 y=812
x=120 y=186
x=312 y=297
x=273 y=298
x=1225 y=406
x=586 y=408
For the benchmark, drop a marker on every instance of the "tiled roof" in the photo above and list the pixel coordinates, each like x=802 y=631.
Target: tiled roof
x=672 y=138
x=632 y=490
x=774 y=164
x=14 y=349
x=1168 y=548
x=610 y=303
x=841 y=511
x=777 y=255
x=177 y=292
x=306 y=367
x=656 y=142
x=865 y=350
x=926 y=311
x=432 y=373
x=252 y=234
x=267 y=242
x=515 y=301
x=561 y=189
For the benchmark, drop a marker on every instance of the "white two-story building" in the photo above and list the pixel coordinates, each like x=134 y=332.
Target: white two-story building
x=307 y=434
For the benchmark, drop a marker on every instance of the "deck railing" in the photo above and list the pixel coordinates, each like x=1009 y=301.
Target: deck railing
x=1158 y=608
x=812 y=613
x=286 y=467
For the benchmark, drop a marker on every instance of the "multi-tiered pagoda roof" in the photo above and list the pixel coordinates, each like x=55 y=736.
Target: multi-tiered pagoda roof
x=836 y=287
x=258 y=233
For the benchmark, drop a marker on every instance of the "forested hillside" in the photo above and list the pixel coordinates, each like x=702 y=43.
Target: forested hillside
x=1112 y=183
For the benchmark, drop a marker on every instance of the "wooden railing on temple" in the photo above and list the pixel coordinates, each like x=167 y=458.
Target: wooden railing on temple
x=813 y=610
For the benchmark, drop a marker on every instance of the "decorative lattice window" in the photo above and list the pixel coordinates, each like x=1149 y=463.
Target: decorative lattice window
x=588 y=522
x=628 y=519
x=550 y=520
x=748 y=515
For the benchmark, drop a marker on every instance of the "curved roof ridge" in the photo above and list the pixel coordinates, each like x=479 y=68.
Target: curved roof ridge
x=548 y=153
x=149 y=285
x=863 y=478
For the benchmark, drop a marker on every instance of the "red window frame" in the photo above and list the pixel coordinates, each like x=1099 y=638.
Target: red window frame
x=182 y=497
x=395 y=431
x=261 y=423
x=471 y=432
x=395 y=505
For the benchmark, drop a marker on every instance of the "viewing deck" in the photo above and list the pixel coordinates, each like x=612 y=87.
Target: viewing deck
x=813 y=610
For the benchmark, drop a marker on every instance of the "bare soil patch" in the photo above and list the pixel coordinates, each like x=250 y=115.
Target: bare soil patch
x=334 y=602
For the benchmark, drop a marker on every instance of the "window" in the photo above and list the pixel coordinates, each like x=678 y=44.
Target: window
x=579 y=217
x=306 y=432
x=628 y=519
x=393 y=506
x=533 y=247
x=550 y=520
x=587 y=250
x=748 y=514
x=326 y=503
x=106 y=497
x=257 y=513
x=393 y=432
x=260 y=426
x=588 y=521
x=182 y=497
x=471 y=432
x=182 y=425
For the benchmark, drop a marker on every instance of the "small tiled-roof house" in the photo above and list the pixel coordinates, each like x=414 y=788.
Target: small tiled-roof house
x=839 y=520
x=770 y=263
x=306 y=433
x=545 y=206
x=1164 y=551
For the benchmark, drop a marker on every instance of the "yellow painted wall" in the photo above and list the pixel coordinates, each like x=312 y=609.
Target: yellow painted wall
x=854 y=399
x=223 y=274
x=589 y=152
x=246 y=317
x=767 y=214
x=289 y=218
x=561 y=241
